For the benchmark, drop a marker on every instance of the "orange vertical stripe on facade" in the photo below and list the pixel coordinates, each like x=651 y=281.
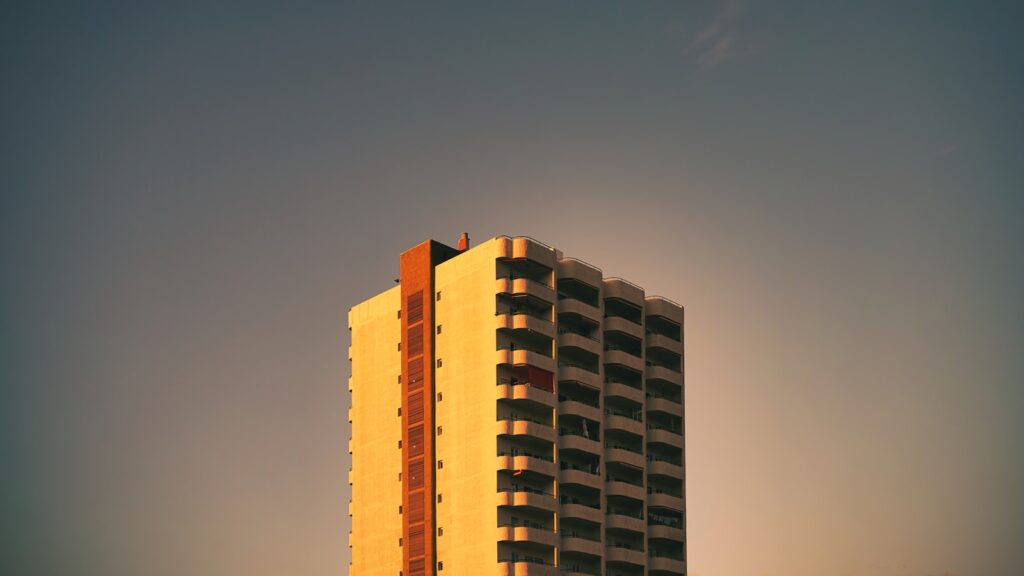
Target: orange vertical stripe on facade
x=416 y=271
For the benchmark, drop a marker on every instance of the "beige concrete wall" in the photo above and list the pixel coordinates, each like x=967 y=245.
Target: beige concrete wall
x=467 y=412
x=376 y=429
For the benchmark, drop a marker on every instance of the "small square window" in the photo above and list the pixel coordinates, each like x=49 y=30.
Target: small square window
x=399 y=540
x=399 y=314
x=399 y=476
x=399 y=411
x=399 y=444
x=439 y=498
x=399 y=508
x=438 y=328
x=439 y=397
x=440 y=566
x=438 y=362
x=438 y=296
x=399 y=346
x=440 y=531
x=438 y=430
x=440 y=464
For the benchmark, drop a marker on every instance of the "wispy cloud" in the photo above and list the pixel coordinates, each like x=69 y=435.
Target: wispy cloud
x=716 y=41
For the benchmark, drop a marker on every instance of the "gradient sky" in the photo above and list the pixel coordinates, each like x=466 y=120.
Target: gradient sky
x=192 y=198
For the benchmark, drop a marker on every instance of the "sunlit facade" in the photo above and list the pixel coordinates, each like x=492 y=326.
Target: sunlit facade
x=514 y=412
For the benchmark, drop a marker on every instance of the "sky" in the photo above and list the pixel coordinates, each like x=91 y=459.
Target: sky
x=192 y=197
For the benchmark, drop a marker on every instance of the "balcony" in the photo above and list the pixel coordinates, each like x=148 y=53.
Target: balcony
x=659 y=306
x=526 y=428
x=581 y=375
x=580 y=270
x=526 y=393
x=624 y=423
x=525 y=248
x=590 y=313
x=634 y=363
x=573 y=442
x=527 y=463
x=624 y=290
x=617 y=324
x=662 y=532
x=532 y=500
x=624 y=457
x=524 y=568
x=620 y=390
x=663 y=373
x=624 y=489
x=581 y=512
x=662 y=468
x=581 y=546
x=665 y=566
x=662 y=436
x=666 y=501
x=665 y=343
x=625 y=556
x=665 y=405
x=579 y=477
x=538 y=536
x=525 y=322
x=572 y=407
x=589 y=345
x=526 y=288
x=524 y=357
x=623 y=522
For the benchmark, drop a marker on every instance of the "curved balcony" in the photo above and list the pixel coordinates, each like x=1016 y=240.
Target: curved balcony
x=624 y=489
x=525 y=248
x=661 y=532
x=577 y=374
x=524 y=287
x=662 y=468
x=615 y=422
x=526 y=428
x=527 y=463
x=625 y=556
x=526 y=569
x=543 y=502
x=525 y=322
x=537 y=536
x=581 y=546
x=579 y=477
x=668 y=501
x=665 y=405
x=620 y=390
x=624 y=290
x=662 y=373
x=622 y=522
x=574 y=408
x=624 y=457
x=634 y=363
x=580 y=270
x=665 y=343
x=661 y=306
x=524 y=357
x=657 y=435
x=665 y=566
x=616 y=324
x=579 y=341
x=581 y=512
x=525 y=392
x=586 y=311
x=572 y=442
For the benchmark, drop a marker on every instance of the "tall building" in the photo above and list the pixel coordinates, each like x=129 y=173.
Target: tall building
x=514 y=412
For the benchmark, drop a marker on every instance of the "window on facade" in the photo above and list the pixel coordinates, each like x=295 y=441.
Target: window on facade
x=438 y=328
x=438 y=296
x=438 y=362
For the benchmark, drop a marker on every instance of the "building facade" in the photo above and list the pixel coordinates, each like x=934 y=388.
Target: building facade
x=514 y=412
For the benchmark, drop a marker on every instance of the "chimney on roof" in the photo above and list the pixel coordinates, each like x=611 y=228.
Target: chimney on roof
x=463 y=242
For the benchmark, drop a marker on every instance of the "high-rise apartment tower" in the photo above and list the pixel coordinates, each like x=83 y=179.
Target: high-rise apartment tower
x=515 y=413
